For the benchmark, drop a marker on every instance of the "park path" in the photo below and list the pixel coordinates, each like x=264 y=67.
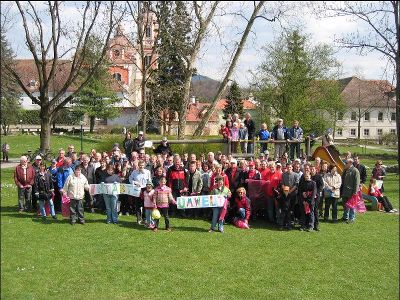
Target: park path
x=377 y=148
x=12 y=163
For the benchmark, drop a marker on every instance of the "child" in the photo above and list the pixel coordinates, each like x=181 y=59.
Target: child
x=149 y=204
x=284 y=208
x=374 y=191
x=307 y=192
x=264 y=135
x=219 y=212
x=163 y=196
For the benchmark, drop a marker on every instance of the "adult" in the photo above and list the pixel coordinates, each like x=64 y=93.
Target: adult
x=251 y=129
x=234 y=175
x=274 y=178
x=36 y=163
x=319 y=182
x=44 y=191
x=140 y=178
x=234 y=137
x=164 y=147
x=138 y=142
x=295 y=134
x=62 y=174
x=111 y=199
x=243 y=137
x=361 y=168
x=89 y=172
x=241 y=205
x=307 y=194
x=251 y=173
x=74 y=187
x=379 y=173
x=264 y=135
x=194 y=184
x=349 y=188
x=290 y=181
x=60 y=157
x=128 y=145
x=71 y=149
x=100 y=173
x=24 y=178
x=176 y=181
x=218 y=172
x=333 y=181
x=5 y=149
x=279 y=134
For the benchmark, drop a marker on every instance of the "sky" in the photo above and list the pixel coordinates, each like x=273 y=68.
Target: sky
x=218 y=48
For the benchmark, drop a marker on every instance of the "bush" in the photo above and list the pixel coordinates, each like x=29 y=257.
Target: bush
x=389 y=139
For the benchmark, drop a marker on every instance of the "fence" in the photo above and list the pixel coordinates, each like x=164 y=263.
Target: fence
x=306 y=141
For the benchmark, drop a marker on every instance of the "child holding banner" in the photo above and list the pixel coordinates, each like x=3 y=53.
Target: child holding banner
x=219 y=212
x=149 y=204
x=163 y=197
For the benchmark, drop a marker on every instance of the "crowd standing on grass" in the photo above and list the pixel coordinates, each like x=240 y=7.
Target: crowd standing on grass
x=292 y=192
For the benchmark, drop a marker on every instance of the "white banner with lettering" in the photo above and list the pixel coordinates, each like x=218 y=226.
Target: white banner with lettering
x=115 y=189
x=200 y=201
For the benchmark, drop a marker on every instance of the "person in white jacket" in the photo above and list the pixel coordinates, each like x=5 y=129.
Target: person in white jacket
x=140 y=178
x=74 y=188
x=333 y=181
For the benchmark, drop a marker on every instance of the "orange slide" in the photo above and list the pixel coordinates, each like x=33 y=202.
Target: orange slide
x=333 y=158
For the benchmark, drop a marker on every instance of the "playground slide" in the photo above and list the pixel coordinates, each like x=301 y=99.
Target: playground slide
x=332 y=157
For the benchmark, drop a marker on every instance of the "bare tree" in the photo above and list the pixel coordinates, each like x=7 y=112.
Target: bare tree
x=255 y=14
x=48 y=50
x=202 y=22
x=382 y=18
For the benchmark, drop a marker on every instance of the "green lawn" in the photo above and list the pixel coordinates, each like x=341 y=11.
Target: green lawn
x=99 y=261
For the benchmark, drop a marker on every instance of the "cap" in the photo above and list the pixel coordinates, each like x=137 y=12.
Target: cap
x=233 y=161
x=38 y=157
x=149 y=183
x=297 y=160
x=286 y=188
x=125 y=159
x=252 y=163
x=219 y=152
x=140 y=132
x=164 y=139
x=266 y=152
x=279 y=164
x=54 y=161
x=219 y=178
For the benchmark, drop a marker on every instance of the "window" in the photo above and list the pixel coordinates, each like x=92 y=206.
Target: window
x=393 y=131
x=147 y=60
x=117 y=76
x=353 y=132
x=32 y=83
x=379 y=131
x=116 y=53
x=366 y=116
x=393 y=116
x=148 y=31
x=380 y=116
x=353 y=116
x=340 y=116
x=366 y=132
x=339 y=132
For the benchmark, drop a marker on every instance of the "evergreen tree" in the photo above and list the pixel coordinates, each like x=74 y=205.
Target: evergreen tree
x=10 y=105
x=234 y=101
x=290 y=81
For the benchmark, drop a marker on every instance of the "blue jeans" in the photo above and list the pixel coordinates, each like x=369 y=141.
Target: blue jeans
x=111 y=207
x=242 y=213
x=215 y=214
x=348 y=213
x=149 y=219
x=43 y=210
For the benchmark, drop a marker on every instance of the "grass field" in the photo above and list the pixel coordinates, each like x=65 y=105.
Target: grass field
x=125 y=261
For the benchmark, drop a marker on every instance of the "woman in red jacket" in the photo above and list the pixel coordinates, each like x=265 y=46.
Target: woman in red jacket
x=376 y=192
x=241 y=205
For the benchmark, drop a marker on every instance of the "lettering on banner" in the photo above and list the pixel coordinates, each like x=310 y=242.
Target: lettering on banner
x=200 y=201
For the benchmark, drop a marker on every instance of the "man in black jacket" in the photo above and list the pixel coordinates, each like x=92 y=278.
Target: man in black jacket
x=361 y=169
x=251 y=129
x=89 y=172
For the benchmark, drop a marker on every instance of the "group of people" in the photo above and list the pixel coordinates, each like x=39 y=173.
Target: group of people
x=294 y=194
x=243 y=133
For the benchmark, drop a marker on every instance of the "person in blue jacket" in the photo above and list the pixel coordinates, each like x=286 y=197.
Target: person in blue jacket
x=264 y=135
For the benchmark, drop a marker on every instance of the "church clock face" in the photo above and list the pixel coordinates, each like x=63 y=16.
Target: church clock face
x=116 y=53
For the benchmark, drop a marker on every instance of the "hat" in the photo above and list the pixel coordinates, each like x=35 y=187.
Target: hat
x=125 y=159
x=38 y=157
x=266 y=152
x=251 y=164
x=219 y=178
x=286 y=188
x=233 y=161
x=54 y=161
x=164 y=139
x=279 y=164
x=149 y=183
x=297 y=160
x=140 y=132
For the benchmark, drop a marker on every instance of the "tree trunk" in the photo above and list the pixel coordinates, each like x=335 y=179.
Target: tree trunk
x=45 y=131
x=232 y=67
x=144 y=100
x=92 y=120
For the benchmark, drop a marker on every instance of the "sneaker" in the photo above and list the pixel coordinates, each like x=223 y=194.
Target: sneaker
x=391 y=211
x=140 y=222
x=211 y=230
x=309 y=230
x=92 y=210
x=316 y=229
x=82 y=222
x=21 y=211
x=302 y=229
x=168 y=229
x=127 y=214
x=120 y=214
x=395 y=210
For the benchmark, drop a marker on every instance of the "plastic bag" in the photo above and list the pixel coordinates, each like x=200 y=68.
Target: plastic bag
x=360 y=208
x=353 y=201
x=65 y=202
